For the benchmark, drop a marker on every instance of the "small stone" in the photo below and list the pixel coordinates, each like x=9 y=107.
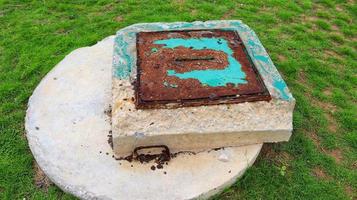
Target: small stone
x=223 y=156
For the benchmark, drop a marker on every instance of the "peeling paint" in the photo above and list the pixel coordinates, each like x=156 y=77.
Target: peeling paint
x=170 y=85
x=211 y=77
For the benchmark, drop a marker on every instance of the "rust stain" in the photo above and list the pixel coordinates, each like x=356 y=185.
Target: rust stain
x=155 y=88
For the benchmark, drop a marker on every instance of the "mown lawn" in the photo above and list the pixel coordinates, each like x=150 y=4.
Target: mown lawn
x=313 y=44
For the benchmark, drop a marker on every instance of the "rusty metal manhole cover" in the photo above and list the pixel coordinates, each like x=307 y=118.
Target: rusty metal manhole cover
x=193 y=68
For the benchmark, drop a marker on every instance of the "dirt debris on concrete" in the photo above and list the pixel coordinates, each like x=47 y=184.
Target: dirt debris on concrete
x=41 y=180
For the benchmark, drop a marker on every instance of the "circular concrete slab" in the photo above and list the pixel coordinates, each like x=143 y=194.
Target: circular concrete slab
x=67 y=130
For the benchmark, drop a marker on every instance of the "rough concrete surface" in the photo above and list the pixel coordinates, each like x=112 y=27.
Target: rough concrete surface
x=67 y=131
x=197 y=128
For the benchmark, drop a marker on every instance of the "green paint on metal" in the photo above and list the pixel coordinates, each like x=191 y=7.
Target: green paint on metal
x=212 y=77
x=154 y=50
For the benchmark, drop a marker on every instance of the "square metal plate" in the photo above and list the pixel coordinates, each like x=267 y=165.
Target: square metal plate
x=194 y=68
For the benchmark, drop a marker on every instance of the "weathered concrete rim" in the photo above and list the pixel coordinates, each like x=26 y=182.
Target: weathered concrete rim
x=45 y=142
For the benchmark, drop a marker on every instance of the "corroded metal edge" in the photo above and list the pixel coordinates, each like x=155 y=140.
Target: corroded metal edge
x=248 y=94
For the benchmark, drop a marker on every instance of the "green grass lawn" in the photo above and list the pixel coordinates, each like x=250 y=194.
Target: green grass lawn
x=312 y=43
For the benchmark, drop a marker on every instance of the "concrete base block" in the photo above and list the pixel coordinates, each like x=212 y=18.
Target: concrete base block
x=203 y=127
x=67 y=130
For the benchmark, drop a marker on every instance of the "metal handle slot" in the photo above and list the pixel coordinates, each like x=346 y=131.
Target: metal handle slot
x=189 y=59
x=161 y=153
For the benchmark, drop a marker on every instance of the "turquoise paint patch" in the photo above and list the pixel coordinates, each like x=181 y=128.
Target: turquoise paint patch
x=278 y=83
x=281 y=86
x=184 y=25
x=123 y=71
x=211 y=77
x=262 y=58
x=154 y=50
x=236 y=23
